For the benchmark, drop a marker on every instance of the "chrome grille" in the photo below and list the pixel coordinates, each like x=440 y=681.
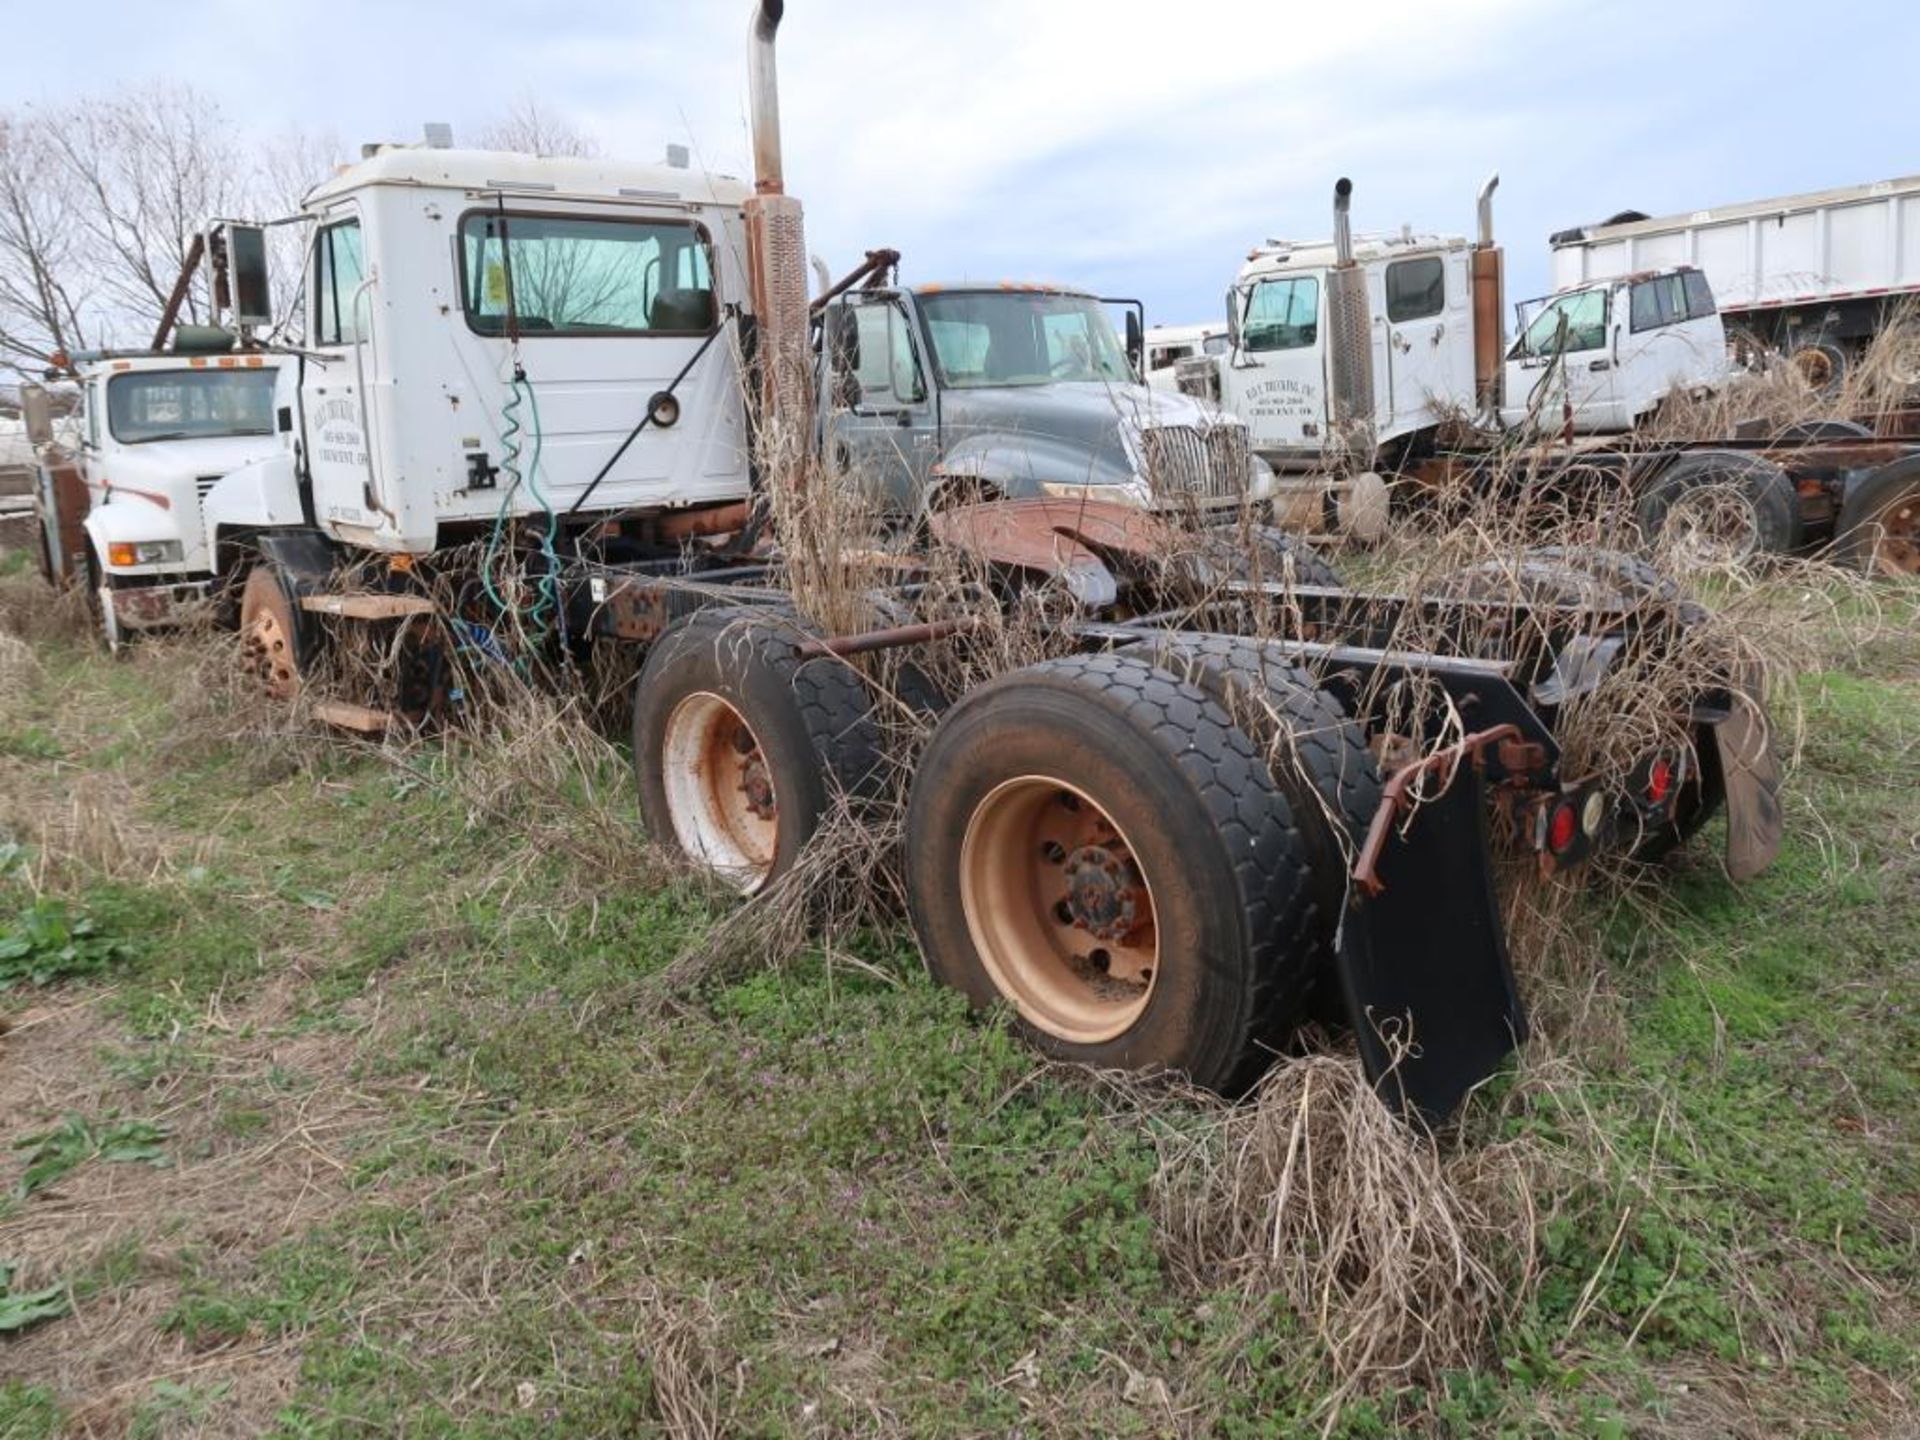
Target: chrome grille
x=1212 y=464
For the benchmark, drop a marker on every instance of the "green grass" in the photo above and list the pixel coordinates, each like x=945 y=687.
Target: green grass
x=827 y=1197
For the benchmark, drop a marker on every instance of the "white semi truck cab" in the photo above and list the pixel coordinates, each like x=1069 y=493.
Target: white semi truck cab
x=1343 y=350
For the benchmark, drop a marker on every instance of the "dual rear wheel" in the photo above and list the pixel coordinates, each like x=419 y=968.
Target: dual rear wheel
x=1094 y=843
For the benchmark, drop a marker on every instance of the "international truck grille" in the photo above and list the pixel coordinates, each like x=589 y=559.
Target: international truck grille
x=1211 y=464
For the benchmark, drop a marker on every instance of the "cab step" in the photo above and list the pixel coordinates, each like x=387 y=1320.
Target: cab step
x=362 y=719
x=367 y=607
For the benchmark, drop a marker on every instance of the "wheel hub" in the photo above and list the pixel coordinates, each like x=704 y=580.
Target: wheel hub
x=1105 y=894
x=756 y=782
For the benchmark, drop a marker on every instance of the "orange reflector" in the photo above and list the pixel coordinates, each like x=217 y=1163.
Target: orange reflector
x=197 y=363
x=254 y=362
x=228 y=362
x=121 y=555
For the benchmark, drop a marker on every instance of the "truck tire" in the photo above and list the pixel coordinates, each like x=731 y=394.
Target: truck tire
x=1318 y=757
x=1742 y=504
x=1879 y=525
x=276 y=638
x=1093 y=842
x=1273 y=555
x=1628 y=575
x=740 y=746
x=1811 y=432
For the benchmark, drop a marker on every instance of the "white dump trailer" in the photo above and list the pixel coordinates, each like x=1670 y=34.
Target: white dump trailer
x=1813 y=277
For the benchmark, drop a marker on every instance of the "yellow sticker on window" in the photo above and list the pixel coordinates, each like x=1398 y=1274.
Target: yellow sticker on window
x=496 y=283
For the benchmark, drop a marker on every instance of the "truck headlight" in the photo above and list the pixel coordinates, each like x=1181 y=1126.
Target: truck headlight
x=145 y=552
x=1126 y=492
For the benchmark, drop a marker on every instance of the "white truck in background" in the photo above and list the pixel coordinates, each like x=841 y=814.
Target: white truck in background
x=159 y=432
x=1359 y=359
x=1168 y=345
x=1370 y=349
x=1812 y=277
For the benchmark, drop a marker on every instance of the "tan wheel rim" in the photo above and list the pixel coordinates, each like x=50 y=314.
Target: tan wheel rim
x=266 y=643
x=1059 y=909
x=720 y=792
x=1711 y=525
x=1896 y=549
x=1815 y=367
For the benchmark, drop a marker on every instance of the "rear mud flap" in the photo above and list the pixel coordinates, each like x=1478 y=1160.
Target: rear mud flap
x=1423 y=960
x=1750 y=774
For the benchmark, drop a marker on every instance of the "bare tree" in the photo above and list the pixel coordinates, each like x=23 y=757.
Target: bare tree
x=47 y=302
x=532 y=128
x=149 y=168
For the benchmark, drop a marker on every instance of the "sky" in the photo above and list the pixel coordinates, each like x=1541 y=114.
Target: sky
x=1135 y=149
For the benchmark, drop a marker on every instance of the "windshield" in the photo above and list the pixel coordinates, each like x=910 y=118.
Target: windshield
x=1019 y=337
x=1585 y=314
x=189 y=404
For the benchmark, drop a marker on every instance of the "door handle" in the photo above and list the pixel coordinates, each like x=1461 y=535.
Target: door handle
x=1598 y=365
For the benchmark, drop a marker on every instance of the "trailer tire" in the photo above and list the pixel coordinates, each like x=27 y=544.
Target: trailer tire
x=741 y=747
x=1770 y=514
x=1879 y=526
x=1185 y=860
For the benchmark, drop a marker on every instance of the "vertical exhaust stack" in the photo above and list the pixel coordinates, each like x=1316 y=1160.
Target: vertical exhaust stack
x=776 y=261
x=1489 y=306
x=1349 y=342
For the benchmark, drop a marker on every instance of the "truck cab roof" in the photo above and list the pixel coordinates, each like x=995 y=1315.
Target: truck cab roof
x=1029 y=287
x=561 y=175
x=1284 y=257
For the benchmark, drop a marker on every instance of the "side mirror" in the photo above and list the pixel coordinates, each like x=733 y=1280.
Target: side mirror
x=247 y=275
x=843 y=339
x=1136 y=342
x=1233 y=319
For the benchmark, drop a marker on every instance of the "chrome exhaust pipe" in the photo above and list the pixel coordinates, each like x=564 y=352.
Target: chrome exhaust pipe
x=1484 y=209
x=1342 y=224
x=763 y=90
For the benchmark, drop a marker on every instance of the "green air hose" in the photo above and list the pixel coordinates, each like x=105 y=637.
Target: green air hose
x=510 y=443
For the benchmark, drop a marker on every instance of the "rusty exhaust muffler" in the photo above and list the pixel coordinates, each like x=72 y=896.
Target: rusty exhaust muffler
x=1489 y=307
x=1342 y=222
x=1350 y=343
x=776 y=264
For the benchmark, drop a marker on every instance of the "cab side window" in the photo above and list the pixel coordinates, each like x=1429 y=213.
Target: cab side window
x=1700 y=302
x=338 y=270
x=1658 y=302
x=888 y=372
x=1416 y=289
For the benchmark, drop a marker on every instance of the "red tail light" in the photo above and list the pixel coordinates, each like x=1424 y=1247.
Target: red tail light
x=1563 y=828
x=1660 y=781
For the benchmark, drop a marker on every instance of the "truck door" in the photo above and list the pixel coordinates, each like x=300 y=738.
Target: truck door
x=1420 y=343
x=1673 y=342
x=339 y=439
x=1563 y=362
x=882 y=428
x=1276 y=379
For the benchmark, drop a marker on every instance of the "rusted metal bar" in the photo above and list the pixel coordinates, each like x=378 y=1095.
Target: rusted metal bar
x=1393 y=797
x=892 y=638
x=877 y=263
x=709 y=520
x=180 y=287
